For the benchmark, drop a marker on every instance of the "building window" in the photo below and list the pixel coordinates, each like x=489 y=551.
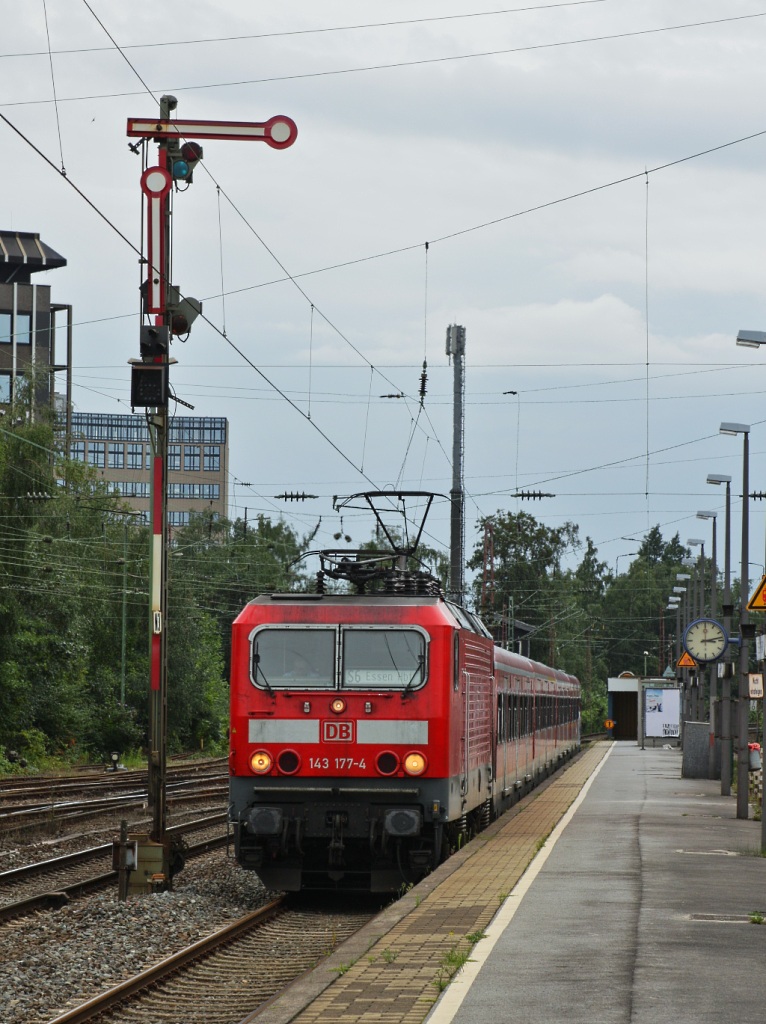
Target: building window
x=208 y=492
x=96 y=453
x=5 y=387
x=77 y=451
x=174 y=456
x=116 y=456
x=23 y=328
x=135 y=456
x=191 y=458
x=132 y=488
x=212 y=459
x=178 y=518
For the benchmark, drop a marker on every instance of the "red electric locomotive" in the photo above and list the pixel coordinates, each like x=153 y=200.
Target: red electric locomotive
x=372 y=731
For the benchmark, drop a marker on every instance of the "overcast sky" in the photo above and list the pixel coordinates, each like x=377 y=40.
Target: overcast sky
x=528 y=146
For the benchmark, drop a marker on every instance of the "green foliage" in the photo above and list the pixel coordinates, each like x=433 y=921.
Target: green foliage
x=519 y=579
x=585 y=620
x=74 y=587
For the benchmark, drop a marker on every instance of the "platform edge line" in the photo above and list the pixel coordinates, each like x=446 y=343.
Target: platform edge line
x=450 y=1001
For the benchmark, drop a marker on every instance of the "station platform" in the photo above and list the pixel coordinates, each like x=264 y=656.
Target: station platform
x=617 y=892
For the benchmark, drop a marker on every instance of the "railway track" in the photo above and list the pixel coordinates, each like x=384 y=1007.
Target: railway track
x=52 y=883
x=55 y=806
x=269 y=948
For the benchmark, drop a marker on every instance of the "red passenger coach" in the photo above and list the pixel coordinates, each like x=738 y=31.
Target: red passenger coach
x=372 y=731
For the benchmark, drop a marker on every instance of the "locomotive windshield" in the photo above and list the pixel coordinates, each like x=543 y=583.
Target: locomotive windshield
x=383 y=659
x=305 y=658
x=293 y=658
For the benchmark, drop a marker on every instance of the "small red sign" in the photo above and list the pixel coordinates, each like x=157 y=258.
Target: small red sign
x=334 y=731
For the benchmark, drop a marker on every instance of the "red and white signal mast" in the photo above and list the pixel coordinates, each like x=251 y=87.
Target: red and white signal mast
x=167 y=313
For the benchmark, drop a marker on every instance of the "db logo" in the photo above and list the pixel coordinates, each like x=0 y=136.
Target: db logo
x=337 y=732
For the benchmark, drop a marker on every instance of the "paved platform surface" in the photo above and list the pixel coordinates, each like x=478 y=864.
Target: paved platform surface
x=637 y=908
x=640 y=913
x=394 y=969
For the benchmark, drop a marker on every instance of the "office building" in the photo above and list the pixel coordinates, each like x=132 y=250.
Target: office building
x=119 y=447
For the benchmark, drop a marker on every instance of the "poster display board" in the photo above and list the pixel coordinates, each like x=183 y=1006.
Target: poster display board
x=662 y=709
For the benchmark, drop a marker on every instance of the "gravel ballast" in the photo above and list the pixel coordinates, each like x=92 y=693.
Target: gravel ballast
x=55 y=960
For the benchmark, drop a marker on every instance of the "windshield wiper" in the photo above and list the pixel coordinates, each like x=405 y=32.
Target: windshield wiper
x=257 y=666
x=411 y=680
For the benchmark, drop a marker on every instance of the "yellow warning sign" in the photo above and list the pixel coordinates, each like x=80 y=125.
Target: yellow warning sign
x=609 y=724
x=686 y=661
x=757 y=602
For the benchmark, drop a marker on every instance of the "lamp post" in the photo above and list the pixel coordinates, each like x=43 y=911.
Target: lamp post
x=625 y=554
x=696 y=542
x=674 y=605
x=712 y=669
x=718 y=479
x=683 y=578
x=754 y=339
x=698 y=609
x=732 y=429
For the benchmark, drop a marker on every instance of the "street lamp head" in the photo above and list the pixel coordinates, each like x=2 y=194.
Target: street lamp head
x=707 y=515
x=732 y=429
x=679 y=590
x=751 y=339
x=718 y=478
x=695 y=542
x=688 y=561
x=683 y=576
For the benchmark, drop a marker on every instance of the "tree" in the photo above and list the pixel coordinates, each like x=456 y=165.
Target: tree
x=515 y=577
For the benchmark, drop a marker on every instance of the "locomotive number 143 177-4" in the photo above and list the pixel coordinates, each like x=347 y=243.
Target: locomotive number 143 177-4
x=338 y=764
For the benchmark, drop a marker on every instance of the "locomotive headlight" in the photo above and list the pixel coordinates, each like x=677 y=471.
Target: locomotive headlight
x=261 y=762
x=338 y=706
x=414 y=763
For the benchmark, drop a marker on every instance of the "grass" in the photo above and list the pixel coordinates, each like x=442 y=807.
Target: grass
x=342 y=968
x=756 y=917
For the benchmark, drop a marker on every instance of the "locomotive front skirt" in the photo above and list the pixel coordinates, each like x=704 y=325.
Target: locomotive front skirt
x=372 y=734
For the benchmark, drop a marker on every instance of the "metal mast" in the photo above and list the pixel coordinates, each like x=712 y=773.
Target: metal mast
x=456 y=350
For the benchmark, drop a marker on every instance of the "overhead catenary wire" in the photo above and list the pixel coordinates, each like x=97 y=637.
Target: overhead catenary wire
x=53 y=86
x=224 y=325
x=395 y=65
x=315 y=31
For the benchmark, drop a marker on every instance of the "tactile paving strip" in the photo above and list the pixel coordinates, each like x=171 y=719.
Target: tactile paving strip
x=400 y=977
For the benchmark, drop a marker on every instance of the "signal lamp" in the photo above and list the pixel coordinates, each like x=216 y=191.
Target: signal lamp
x=338 y=706
x=415 y=763
x=288 y=762
x=387 y=762
x=261 y=762
x=183 y=315
x=153 y=341
x=185 y=160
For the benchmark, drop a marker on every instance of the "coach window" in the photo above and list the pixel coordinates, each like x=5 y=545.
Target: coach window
x=383 y=659
x=295 y=659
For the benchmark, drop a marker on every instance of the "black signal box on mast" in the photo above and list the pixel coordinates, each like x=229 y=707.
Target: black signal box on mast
x=149 y=385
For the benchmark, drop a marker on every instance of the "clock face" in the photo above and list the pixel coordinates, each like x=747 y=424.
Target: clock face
x=705 y=640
